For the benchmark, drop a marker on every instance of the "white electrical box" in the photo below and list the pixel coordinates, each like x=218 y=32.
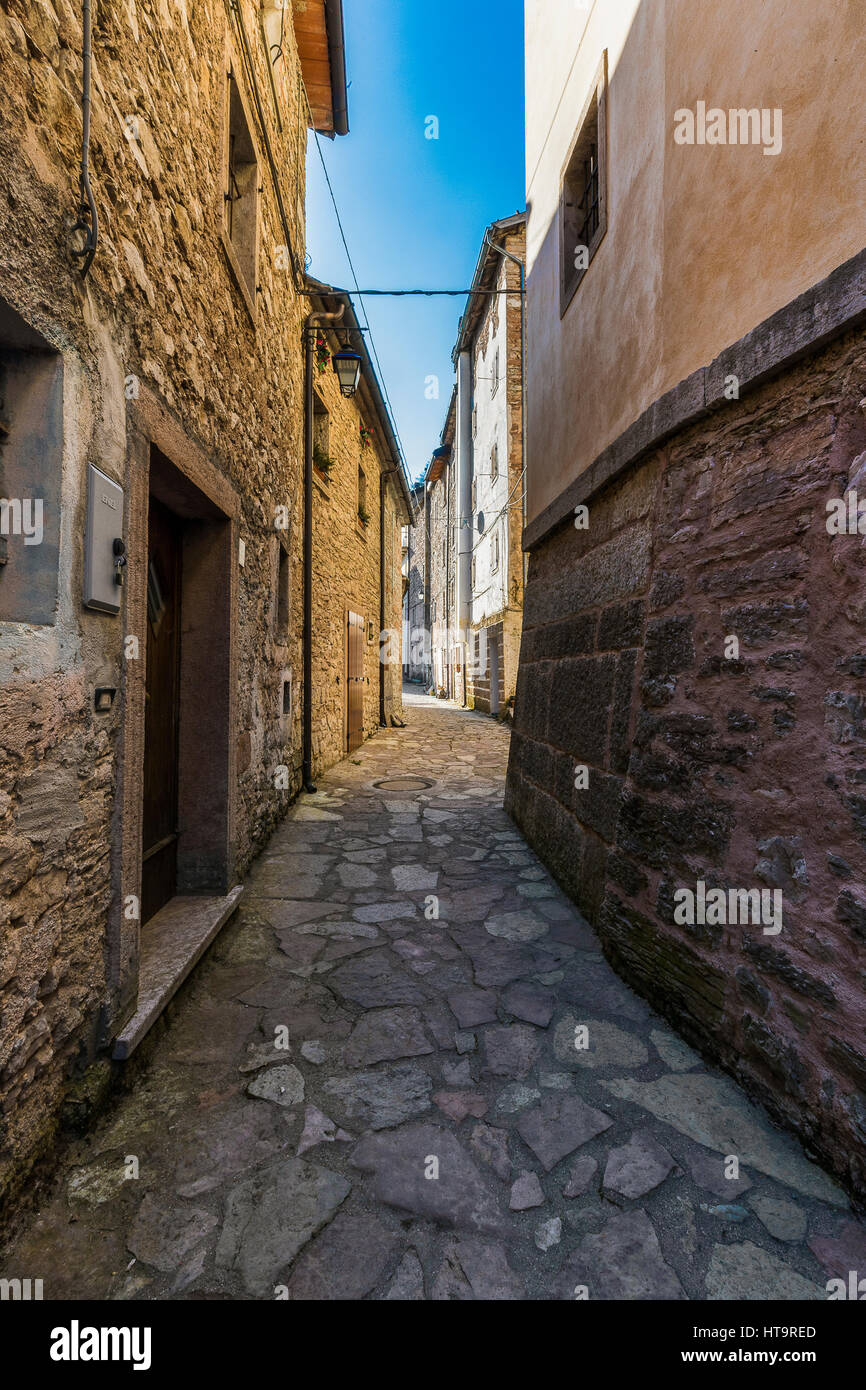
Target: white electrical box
x=104 y=551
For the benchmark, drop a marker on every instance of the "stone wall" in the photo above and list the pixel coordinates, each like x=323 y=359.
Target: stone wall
x=346 y=566
x=162 y=314
x=482 y=687
x=160 y=309
x=744 y=768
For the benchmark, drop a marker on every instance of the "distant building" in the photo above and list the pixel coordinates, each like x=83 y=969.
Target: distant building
x=441 y=513
x=474 y=489
x=417 y=665
x=489 y=482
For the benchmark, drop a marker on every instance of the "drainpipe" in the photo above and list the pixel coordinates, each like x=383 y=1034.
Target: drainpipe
x=408 y=602
x=309 y=341
x=383 y=723
x=428 y=625
x=389 y=472
x=448 y=683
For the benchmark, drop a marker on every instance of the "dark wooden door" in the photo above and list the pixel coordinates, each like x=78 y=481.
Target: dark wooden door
x=159 y=835
x=354 y=682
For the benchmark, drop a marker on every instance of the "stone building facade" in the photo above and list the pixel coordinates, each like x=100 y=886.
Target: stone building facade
x=441 y=509
x=474 y=489
x=689 y=704
x=157 y=403
x=361 y=504
x=488 y=357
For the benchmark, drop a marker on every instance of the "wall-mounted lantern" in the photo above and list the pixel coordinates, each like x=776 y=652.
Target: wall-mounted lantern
x=347 y=365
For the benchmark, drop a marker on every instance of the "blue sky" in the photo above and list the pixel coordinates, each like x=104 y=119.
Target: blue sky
x=414 y=210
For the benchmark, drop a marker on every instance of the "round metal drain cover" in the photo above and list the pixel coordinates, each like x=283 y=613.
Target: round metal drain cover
x=404 y=784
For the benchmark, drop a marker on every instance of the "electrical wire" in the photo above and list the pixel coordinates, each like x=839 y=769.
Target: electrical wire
x=500 y=513
x=363 y=306
x=429 y=294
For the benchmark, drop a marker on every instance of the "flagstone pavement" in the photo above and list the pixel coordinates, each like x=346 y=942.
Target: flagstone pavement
x=405 y=1071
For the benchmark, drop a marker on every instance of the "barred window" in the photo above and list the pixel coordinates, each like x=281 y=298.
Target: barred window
x=583 y=199
x=242 y=190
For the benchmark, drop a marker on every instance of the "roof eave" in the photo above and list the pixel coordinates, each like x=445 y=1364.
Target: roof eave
x=337 y=59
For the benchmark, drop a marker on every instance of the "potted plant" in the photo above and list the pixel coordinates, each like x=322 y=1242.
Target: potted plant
x=323 y=355
x=322 y=460
x=366 y=437
x=363 y=516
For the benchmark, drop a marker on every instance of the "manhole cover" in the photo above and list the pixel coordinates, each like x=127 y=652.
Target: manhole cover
x=404 y=784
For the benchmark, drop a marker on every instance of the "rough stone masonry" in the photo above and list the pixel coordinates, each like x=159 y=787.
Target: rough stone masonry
x=742 y=765
x=163 y=321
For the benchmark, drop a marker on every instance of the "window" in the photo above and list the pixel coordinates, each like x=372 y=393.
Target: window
x=494 y=463
x=474 y=421
x=494 y=561
x=474 y=495
x=242 y=192
x=473 y=571
x=321 y=437
x=283 y=606
x=494 y=385
x=363 y=514
x=31 y=448
x=583 y=198
x=287 y=697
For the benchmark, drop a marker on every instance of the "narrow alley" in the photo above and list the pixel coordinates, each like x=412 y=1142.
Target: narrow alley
x=405 y=1071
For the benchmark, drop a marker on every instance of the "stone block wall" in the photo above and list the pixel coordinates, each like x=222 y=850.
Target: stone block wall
x=160 y=312
x=740 y=765
x=346 y=567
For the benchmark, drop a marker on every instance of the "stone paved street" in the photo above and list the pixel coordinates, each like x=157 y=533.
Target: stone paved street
x=435 y=1128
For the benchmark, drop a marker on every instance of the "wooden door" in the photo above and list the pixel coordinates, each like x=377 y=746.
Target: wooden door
x=354 y=682
x=159 y=819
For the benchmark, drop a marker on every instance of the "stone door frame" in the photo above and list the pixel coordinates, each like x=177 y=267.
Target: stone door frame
x=153 y=431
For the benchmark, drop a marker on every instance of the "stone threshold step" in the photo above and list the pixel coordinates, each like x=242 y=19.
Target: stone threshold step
x=172 y=943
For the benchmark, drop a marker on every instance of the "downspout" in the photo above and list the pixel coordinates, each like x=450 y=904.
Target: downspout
x=383 y=724
x=428 y=625
x=309 y=336
x=448 y=584
x=408 y=601
x=383 y=490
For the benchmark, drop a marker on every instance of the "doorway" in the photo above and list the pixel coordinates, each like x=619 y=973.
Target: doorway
x=493 y=648
x=161 y=711
x=354 y=682
x=188 y=720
